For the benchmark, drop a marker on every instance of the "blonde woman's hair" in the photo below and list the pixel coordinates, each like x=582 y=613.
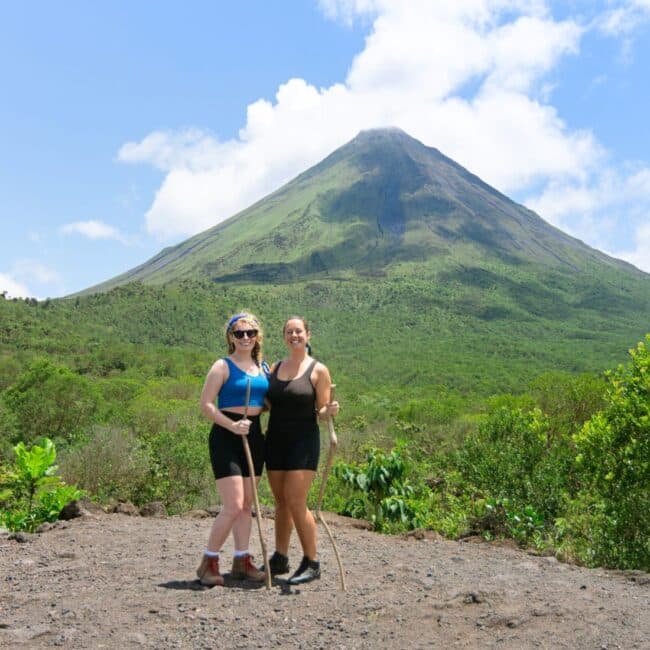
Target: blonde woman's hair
x=254 y=322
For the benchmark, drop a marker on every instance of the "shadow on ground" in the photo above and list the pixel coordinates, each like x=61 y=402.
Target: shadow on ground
x=229 y=583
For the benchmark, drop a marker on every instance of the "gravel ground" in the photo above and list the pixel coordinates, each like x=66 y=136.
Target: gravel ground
x=118 y=581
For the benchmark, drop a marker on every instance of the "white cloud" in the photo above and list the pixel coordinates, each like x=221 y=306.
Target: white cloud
x=347 y=10
x=470 y=77
x=640 y=254
x=193 y=149
x=625 y=18
x=29 y=270
x=12 y=287
x=20 y=280
x=598 y=210
x=93 y=230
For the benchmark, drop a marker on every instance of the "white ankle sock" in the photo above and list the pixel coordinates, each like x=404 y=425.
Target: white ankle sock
x=240 y=553
x=211 y=553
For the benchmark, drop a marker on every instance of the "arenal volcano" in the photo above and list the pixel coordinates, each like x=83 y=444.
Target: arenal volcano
x=383 y=205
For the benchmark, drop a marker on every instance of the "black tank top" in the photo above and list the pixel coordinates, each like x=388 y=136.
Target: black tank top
x=292 y=399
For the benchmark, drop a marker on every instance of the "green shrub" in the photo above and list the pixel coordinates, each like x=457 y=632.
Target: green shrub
x=381 y=492
x=517 y=475
x=441 y=408
x=181 y=474
x=116 y=465
x=30 y=491
x=112 y=464
x=51 y=400
x=150 y=413
x=608 y=523
x=567 y=401
x=501 y=458
x=500 y=518
x=117 y=393
x=8 y=432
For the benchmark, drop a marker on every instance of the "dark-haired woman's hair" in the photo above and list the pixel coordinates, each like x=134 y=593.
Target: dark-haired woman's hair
x=300 y=318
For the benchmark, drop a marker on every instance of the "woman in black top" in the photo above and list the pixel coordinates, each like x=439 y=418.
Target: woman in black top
x=299 y=393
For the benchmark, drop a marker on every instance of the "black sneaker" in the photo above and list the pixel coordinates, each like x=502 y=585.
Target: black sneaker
x=307 y=571
x=278 y=564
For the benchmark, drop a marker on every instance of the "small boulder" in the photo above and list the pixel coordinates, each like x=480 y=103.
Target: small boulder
x=422 y=533
x=80 y=508
x=196 y=514
x=153 y=509
x=72 y=510
x=126 y=508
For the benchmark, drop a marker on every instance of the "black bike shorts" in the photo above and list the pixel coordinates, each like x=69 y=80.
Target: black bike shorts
x=227 y=448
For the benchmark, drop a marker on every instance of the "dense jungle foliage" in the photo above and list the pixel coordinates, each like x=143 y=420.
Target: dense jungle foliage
x=450 y=420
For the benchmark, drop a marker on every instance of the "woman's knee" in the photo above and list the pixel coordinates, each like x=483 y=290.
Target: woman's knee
x=232 y=509
x=295 y=502
x=280 y=500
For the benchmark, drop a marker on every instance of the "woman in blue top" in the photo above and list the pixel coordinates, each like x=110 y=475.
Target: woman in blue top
x=223 y=401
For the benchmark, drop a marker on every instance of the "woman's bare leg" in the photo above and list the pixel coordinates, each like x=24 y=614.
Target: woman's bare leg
x=296 y=487
x=283 y=521
x=231 y=490
x=241 y=530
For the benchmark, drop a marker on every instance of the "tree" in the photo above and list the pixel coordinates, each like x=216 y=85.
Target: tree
x=614 y=458
x=48 y=400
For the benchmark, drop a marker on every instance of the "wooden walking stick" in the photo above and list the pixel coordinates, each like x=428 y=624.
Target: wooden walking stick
x=326 y=471
x=258 y=513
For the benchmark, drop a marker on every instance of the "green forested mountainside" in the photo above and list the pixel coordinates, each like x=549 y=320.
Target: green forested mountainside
x=466 y=333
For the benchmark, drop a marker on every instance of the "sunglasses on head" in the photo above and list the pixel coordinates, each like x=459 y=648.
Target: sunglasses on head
x=239 y=334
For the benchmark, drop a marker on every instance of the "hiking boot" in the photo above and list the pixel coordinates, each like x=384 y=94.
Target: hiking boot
x=208 y=571
x=307 y=571
x=278 y=564
x=243 y=568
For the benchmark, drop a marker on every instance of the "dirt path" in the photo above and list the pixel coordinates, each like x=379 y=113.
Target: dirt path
x=114 y=581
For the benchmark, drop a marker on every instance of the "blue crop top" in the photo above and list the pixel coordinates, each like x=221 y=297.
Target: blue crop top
x=233 y=391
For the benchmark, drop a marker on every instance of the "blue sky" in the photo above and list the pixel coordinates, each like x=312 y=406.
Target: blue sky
x=129 y=126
